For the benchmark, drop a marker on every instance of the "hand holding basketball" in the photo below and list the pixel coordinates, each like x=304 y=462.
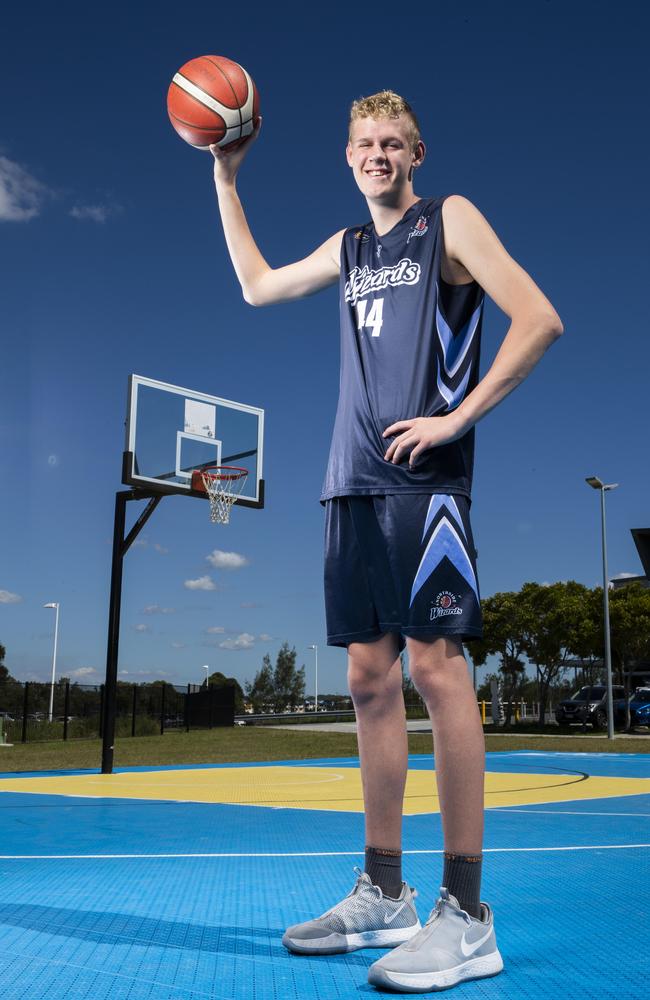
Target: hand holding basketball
x=228 y=159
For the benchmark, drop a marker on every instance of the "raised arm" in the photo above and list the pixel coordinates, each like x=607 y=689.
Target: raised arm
x=262 y=284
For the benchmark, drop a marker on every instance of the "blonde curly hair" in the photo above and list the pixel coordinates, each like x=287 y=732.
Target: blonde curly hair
x=386 y=104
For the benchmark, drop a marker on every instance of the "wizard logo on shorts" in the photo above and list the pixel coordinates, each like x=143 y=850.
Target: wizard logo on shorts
x=444 y=604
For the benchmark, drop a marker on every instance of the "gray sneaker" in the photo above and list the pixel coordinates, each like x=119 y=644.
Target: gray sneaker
x=451 y=947
x=364 y=919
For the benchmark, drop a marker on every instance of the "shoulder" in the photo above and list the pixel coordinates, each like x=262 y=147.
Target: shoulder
x=466 y=230
x=460 y=220
x=459 y=212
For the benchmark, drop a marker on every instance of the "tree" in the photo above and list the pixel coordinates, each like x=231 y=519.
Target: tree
x=629 y=610
x=217 y=679
x=260 y=692
x=279 y=689
x=554 y=627
x=504 y=635
x=11 y=690
x=288 y=683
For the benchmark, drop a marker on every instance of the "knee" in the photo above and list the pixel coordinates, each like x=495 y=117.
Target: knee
x=370 y=681
x=435 y=680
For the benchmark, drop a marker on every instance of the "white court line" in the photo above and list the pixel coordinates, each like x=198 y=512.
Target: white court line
x=300 y=854
x=27 y=957
x=559 y=812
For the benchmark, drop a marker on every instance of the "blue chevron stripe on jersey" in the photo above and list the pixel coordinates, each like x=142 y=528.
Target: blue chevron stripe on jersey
x=455 y=348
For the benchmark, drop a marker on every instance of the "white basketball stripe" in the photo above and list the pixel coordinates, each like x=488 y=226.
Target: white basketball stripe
x=231 y=116
x=247 y=107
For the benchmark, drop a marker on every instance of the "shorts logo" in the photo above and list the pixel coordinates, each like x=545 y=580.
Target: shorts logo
x=444 y=604
x=419 y=229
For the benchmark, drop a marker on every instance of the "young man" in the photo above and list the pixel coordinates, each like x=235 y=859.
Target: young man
x=400 y=559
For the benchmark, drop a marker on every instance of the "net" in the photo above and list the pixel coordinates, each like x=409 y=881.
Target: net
x=223 y=484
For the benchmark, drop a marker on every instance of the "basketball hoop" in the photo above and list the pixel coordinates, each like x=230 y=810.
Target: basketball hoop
x=223 y=484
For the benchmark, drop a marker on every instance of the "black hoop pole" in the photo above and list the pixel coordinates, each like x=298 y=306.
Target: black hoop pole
x=120 y=547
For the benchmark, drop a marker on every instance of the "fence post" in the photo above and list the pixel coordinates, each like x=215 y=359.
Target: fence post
x=162 y=710
x=25 y=707
x=187 y=710
x=211 y=690
x=101 y=711
x=66 y=710
x=134 y=708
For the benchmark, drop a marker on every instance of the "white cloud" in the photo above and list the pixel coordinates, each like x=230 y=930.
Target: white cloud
x=83 y=672
x=249 y=604
x=144 y=543
x=265 y=637
x=215 y=629
x=21 y=195
x=94 y=213
x=155 y=609
x=141 y=628
x=226 y=560
x=6 y=597
x=203 y=583
x=243 y=641
x=624 y=576
x=179 y=645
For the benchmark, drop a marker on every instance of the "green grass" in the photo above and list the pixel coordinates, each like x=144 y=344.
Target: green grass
x=243 y=744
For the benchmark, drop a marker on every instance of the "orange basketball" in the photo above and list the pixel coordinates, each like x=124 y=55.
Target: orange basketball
x=212 y=100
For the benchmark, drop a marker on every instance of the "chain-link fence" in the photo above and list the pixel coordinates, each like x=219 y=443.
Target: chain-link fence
x=34 y=711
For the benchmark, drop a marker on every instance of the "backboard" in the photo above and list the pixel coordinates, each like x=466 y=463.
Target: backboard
x=171 y=431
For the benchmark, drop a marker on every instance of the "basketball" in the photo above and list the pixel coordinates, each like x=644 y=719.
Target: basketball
x=212 y=100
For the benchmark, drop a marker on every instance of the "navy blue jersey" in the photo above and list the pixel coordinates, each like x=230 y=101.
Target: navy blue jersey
x=409 y=348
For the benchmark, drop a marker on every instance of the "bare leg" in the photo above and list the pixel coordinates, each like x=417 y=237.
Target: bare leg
x=439 y=672
x=375 y=680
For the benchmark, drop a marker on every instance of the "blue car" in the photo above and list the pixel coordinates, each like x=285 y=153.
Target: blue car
x=640 y=707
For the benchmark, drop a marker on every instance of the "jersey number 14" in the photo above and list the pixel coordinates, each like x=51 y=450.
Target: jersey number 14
x=373 y=317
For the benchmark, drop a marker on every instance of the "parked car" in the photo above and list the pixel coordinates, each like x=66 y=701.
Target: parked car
x=589 y=704
x=640 y=707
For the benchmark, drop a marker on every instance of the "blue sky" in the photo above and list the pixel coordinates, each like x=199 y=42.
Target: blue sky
x=113 y=262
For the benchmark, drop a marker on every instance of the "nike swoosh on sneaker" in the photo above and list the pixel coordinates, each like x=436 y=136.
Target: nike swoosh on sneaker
x=389 y=919
x=469 y=948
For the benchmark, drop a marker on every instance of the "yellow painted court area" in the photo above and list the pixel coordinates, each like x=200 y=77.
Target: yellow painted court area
x=330 y=788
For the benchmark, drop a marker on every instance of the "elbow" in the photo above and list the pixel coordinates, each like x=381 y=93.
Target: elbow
x=553 y=328
x=251 y=297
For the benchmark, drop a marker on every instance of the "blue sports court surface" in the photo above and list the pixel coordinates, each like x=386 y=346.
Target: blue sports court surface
x=177 y=883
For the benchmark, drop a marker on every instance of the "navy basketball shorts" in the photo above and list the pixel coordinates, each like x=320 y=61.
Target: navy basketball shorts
x=402 y=563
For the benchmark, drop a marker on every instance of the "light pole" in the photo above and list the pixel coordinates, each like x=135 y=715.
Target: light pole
x=596 y=484
x=207 y=673
x=56 y=636
x=315 y=648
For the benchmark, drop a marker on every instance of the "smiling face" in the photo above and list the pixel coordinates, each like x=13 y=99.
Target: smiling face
x=381 y=155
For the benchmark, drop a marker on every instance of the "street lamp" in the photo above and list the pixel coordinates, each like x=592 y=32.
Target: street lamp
x=56 y=636
x=315 y=648
x=207 y=673
x=596 y=484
